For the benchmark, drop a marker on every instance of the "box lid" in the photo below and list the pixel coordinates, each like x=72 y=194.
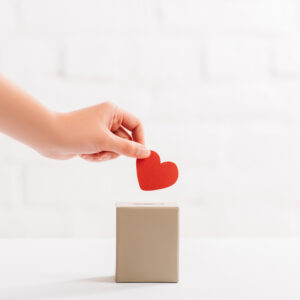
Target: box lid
x=146 y=204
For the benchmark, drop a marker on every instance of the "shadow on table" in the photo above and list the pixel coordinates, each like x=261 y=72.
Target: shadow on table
x=73 y=288
x=96 y=279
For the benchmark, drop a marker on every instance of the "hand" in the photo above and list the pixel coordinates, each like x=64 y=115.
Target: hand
x=99 y=133
x=95 y=133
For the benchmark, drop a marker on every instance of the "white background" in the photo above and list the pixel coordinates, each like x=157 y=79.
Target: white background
x=216 y=83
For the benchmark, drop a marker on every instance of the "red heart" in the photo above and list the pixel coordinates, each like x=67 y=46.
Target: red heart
x=153 y=175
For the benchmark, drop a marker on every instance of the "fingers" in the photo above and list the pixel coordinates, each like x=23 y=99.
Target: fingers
x=60 y=156
x=107 y=155
x=133 y=124
x=115 y=140
x=128 y=148
x=121 y=132
x=99 y=157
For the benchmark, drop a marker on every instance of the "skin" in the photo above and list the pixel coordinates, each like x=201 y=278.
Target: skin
x=97 y=133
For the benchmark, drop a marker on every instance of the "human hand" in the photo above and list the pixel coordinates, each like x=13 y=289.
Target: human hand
x=98 y=133
x=95 y=133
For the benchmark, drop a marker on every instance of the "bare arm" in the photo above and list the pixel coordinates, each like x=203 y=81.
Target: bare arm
x=96 y=133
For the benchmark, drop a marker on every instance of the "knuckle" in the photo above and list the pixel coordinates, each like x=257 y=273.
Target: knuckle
x=108 y=104
x=138 y=121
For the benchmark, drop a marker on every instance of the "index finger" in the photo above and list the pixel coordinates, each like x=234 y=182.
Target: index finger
x=132 y=123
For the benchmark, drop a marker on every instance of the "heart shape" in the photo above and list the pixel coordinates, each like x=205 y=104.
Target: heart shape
x=153 y=175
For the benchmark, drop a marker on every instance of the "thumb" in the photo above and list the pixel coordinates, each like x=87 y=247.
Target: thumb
x=128 y=148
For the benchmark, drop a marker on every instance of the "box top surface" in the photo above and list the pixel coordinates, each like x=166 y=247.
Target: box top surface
x=146 y=204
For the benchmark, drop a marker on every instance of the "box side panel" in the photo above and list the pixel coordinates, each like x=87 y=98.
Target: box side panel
x=147 y=244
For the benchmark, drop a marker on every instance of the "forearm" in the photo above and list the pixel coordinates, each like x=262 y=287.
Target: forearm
x=99 y=132
x=25 y=119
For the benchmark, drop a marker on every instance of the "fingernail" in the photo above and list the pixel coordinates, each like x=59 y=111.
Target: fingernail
x=143 y=152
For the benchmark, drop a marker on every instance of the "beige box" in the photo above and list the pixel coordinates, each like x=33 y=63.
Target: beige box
x=147 y=242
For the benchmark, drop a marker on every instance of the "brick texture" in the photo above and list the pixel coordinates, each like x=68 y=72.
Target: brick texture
x=216 y=84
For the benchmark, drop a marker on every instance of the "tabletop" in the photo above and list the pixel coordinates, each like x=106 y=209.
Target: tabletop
x=210 y=268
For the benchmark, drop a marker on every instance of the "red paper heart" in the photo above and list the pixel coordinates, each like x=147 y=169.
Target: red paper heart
x=153 y=175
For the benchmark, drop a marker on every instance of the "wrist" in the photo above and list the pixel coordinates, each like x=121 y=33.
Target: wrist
x=51 y=145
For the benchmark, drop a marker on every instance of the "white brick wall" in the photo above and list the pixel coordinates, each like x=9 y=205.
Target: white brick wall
x=237 y=58
x=286 y=58
x=25 y=55
x=168 y=59
x=86 y=16
x=8 y=17
x=216 y=83
x=99 y=59
x=234 y=16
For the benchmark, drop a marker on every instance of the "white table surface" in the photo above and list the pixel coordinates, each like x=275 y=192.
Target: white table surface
x=209 y=269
